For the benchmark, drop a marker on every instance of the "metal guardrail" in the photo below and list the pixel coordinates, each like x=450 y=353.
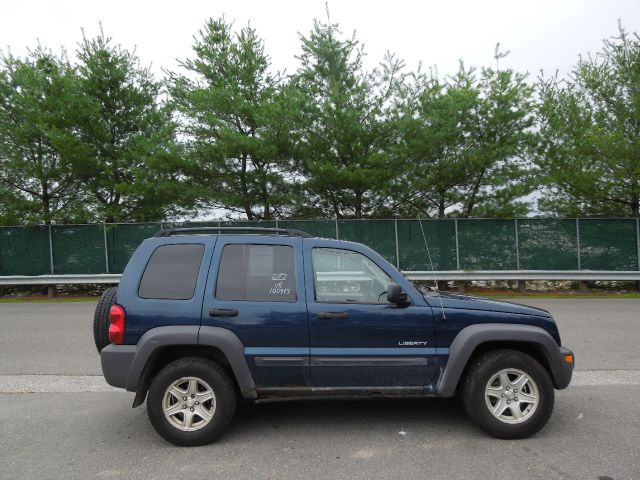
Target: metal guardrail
x=487 y=275
x=102 y=278
x=583 y=275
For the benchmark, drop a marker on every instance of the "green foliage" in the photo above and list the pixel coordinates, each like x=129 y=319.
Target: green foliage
x=38 y=107
x=127 y=136
x=345 y=125
x=237 y=117
x=467 y=142
x=101 y=139
x=591 y=132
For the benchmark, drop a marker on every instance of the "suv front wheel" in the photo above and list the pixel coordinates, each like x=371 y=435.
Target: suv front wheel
x=191 y=401
x=508 y=393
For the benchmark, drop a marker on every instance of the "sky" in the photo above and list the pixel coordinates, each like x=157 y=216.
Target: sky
x=541 y=34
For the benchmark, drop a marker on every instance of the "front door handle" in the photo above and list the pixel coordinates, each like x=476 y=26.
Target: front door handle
x=339 y=315
x=223 y=312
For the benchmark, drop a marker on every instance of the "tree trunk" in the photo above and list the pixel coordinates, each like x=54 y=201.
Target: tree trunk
x=441 y=207
x=635 y=205
x=46 y=204
x=472 y=198
x=336 y=207
x=245 y=189
x=266 y=215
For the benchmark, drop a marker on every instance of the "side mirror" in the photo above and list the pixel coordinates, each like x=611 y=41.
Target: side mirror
x=396 y=295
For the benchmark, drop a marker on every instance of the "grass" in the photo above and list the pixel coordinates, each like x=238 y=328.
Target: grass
x=572 y=294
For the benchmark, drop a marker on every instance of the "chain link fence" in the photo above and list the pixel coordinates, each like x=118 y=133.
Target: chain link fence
x=453 y=244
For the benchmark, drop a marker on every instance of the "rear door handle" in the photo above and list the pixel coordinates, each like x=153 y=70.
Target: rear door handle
x=223 y=312
x=339 y=315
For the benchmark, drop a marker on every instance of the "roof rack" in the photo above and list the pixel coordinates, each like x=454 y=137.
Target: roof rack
x=167 y=232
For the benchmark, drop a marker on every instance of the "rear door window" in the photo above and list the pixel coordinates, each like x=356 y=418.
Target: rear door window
x=172 y=272
x=259 y=273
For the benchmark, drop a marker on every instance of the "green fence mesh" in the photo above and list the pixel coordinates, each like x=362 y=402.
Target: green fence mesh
x=377 y=234
x=249 y=223
x=123 y=239
x=189 y=224
x=78 y=249
x=547 y=244
x=487 y=244
x=317 y=228
x=24 y=251
x=481 y=244
x=441 y=240
x=608 y=244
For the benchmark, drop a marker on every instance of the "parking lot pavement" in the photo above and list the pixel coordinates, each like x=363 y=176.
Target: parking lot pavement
x=78 y=427
x=604 y=334
x=592 y=434
x=48 y=338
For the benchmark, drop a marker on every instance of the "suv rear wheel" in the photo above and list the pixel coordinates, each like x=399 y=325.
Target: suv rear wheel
x=508 y=393
x=191 y=401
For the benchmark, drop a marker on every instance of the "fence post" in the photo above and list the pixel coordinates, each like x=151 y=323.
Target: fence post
x=515 y=221
x=106 y=248
x=578 y=244
x=51 y=289
x=395 y=224
x=522 y=284
x=50 y=252
x=455 y=226
x=276 y=223
x=638 y=240
x=582 y=284
x=337 y=238
x=638 y=249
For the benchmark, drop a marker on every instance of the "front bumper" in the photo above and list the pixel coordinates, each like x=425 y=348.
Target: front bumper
x=565 y=372
x=116 y=362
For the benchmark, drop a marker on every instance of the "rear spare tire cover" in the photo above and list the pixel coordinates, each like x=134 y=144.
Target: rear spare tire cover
x=101 y=318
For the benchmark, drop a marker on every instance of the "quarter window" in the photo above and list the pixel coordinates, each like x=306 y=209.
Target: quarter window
x=259 y=273
x=172 y=272
x=345 y=276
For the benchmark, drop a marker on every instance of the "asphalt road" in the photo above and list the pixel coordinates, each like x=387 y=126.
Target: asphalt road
x=81 y=428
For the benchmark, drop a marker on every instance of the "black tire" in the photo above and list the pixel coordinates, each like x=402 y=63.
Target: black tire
x=101 y=318
x=225 y=400
x=481 y=370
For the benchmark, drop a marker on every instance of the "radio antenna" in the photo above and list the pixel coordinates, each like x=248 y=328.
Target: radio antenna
x=435 y=281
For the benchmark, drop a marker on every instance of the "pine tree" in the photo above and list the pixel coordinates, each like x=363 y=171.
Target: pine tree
x=591 y=126
x=345 y=129
x=39 y=102
x=237 y=117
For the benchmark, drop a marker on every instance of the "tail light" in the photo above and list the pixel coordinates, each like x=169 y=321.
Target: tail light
x=116 y=325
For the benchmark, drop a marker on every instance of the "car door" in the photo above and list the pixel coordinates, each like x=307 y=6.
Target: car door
x=169 y=289
x=256 y=289
x=357 y=338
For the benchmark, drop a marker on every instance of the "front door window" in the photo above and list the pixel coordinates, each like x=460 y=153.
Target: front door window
x=345 y=276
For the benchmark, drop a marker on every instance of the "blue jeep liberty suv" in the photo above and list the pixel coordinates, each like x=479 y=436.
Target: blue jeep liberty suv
x=204 y=317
